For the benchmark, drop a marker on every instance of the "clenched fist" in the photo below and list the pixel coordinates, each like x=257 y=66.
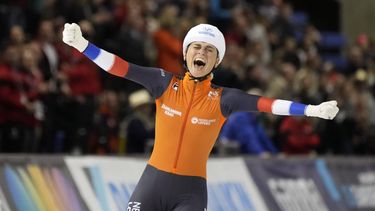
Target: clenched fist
x=72 y=36
x=325 y=110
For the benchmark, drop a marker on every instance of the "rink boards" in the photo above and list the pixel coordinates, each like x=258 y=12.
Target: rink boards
x=101 y=183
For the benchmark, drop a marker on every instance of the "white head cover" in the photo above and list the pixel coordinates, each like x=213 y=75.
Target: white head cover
x=206 y=33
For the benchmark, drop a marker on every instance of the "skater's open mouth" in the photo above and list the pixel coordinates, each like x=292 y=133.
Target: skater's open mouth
x=199 y=62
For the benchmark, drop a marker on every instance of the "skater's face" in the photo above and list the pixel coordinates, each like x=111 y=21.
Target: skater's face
x=201 y=58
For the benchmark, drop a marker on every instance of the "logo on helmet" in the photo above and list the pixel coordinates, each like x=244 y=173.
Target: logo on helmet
x=207 y=31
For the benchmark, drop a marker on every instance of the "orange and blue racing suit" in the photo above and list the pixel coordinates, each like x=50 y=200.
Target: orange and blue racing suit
x=189 y=116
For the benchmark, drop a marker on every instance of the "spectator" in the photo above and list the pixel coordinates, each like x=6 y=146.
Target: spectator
x=131 y=35
x=289 y=52
x=305 y=86
x=18 y=97
x=83 y=80
x=270 y=9
x=233 y=63
x=46 y=39
x=282 y=24
x=138 y=126
x=356 y=60
x=245 y=129
x=297 y=136
x=167 y=41
x=256 y=77
x=106 y=138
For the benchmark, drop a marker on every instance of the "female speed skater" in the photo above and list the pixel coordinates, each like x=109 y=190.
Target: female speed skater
x=190 y=112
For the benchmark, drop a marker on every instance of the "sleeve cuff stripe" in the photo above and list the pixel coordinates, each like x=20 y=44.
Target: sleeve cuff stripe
x=120 y=67
x=91 y=51
x=105 y=60
x=265 y=104
x=281 y=107
x=297 y=109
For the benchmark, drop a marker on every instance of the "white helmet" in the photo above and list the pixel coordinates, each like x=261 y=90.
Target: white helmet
x=205 y=33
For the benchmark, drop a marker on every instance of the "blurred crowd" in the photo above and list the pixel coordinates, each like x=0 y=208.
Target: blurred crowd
x=54 y=100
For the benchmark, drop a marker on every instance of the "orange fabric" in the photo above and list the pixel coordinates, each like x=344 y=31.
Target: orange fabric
x=119 y=68
x=169 y=51
x=188 y=121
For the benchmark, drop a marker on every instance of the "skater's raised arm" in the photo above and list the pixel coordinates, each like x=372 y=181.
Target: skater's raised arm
x=154 y=79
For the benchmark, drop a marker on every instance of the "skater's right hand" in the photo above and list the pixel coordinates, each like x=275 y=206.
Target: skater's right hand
x=72 y=36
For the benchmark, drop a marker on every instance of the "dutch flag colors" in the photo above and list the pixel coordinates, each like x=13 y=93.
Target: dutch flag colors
x=119 y=67
x=107 y=61
x=280 y=107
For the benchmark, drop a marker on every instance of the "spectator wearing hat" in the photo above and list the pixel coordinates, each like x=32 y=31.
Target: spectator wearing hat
x=138 y=126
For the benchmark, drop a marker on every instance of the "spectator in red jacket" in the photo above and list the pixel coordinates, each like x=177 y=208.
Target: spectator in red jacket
x=18 y=103
x=84 y=84
x=298 y=136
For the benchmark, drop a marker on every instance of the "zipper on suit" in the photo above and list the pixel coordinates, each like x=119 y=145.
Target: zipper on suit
x=183 y=129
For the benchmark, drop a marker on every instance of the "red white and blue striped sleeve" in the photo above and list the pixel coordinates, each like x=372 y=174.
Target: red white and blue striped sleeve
x=233 y=100
x=155 y=80
x=280 y=107
x=107 y=61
